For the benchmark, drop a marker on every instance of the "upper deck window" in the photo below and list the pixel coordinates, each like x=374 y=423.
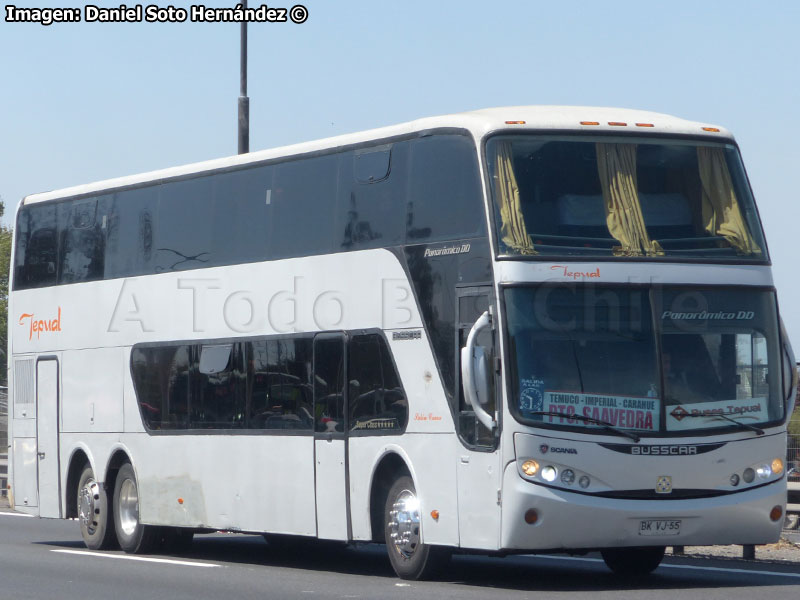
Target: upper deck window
x=623 y=197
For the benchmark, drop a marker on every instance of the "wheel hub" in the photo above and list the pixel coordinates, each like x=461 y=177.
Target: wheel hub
x=404 y=523
x=89 y=505
x=128 y=507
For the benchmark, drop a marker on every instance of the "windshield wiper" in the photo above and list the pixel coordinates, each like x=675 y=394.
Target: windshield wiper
x=604 y=424
x=725 y=416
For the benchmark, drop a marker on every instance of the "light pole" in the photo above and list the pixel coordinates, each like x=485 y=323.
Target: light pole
x=244 y=101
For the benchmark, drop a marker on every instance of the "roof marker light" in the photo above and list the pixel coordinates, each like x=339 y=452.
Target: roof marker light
x=590 y=123
x=515 y=122
x=617 y=124
x=645 y=125
x=712 y=129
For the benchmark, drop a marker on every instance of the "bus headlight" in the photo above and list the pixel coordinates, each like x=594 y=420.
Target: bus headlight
x=734 y=480
x=584 y=481
x=748 y=475
x=549 y=473
x=568 y=476
x=763 y=471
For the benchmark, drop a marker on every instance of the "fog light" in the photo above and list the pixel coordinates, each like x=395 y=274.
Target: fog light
x=748 y=475
x=763 y=471
x=568 y=476
x=734 y=480
x=530 y=468
x=549 y=473
x=531 y=516
x=584 y=481
x=776 y=513
x=777 y=466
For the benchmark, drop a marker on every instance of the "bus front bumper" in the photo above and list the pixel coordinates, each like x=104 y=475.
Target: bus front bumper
x=566 y=520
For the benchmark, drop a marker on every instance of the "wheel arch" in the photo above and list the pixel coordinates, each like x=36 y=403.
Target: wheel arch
x=79 y=457
x=390 y=465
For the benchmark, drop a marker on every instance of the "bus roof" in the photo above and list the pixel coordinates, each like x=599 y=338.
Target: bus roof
x=478 y=123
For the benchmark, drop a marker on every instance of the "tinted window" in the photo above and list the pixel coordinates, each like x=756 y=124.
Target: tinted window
x=280 y=393
x=371 y=214
x=444 y=190
x=242 y=215
x=130 y=245
x=83 y=226
x=37 y=246
x=303 y=201
x=376 y=398
x=218 y=401
x=329 y=384
x=185 y=225
x=161 y=378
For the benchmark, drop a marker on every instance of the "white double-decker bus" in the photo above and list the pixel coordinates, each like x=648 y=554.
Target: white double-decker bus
x=512 y=330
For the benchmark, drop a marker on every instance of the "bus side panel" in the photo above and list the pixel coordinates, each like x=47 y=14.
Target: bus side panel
x=91 y=383
x=246 y=482
x=431 y=459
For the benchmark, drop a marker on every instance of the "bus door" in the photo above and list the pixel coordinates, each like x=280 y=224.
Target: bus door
x=47 y=437
x=478 y=459
x=330 y=437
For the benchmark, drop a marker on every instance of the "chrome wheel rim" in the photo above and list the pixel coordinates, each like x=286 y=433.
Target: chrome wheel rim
x=128 y=505
x=89 y=506
x=404 y=523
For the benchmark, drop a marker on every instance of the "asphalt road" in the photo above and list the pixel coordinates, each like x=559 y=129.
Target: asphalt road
x=46 y=559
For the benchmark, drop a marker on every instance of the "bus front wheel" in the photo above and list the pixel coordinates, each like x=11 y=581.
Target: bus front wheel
x=133 y=536
x=94 y=514
x=633 y=562
x=410 y=557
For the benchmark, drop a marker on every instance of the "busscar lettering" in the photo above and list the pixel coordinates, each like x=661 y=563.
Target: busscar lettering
x=43 y=16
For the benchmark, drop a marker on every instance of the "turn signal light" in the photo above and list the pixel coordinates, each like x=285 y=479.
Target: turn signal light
x=515 y=122
x=777 y=466
x=590 y=122
x=776 y=513
x=435 y=515
x=180 y=500
x=645 y=125
x=617 y=124
x=530 y=468
x=712 y=129
x=531 y=516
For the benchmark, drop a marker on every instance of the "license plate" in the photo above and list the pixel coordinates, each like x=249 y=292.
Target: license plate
x=659 y=527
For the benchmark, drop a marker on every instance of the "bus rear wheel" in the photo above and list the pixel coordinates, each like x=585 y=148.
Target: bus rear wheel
x=133 y=536
x=409 y=556
x=633 y=562
x=94 y=514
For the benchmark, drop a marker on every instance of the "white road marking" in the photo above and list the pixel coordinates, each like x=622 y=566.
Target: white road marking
x=14 y=514
x=689 y=567
x=167 y=561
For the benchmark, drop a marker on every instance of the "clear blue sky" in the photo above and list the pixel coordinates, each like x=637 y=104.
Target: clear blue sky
x=83 y=102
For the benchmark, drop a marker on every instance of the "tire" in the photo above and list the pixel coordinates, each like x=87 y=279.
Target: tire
x=94 y=513
x=133 y=536
x=633 y=562
x=410 y=557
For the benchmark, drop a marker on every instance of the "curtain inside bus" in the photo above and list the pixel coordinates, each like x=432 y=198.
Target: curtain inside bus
x=721 y=213
x=616 y=165
x=512 y=230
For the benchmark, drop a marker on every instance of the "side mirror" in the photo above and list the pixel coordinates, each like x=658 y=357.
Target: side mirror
x=476 y=375
x=481 y=375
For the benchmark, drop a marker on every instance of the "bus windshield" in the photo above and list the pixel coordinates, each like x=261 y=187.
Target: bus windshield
x=644 y=359
x=622 y=197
